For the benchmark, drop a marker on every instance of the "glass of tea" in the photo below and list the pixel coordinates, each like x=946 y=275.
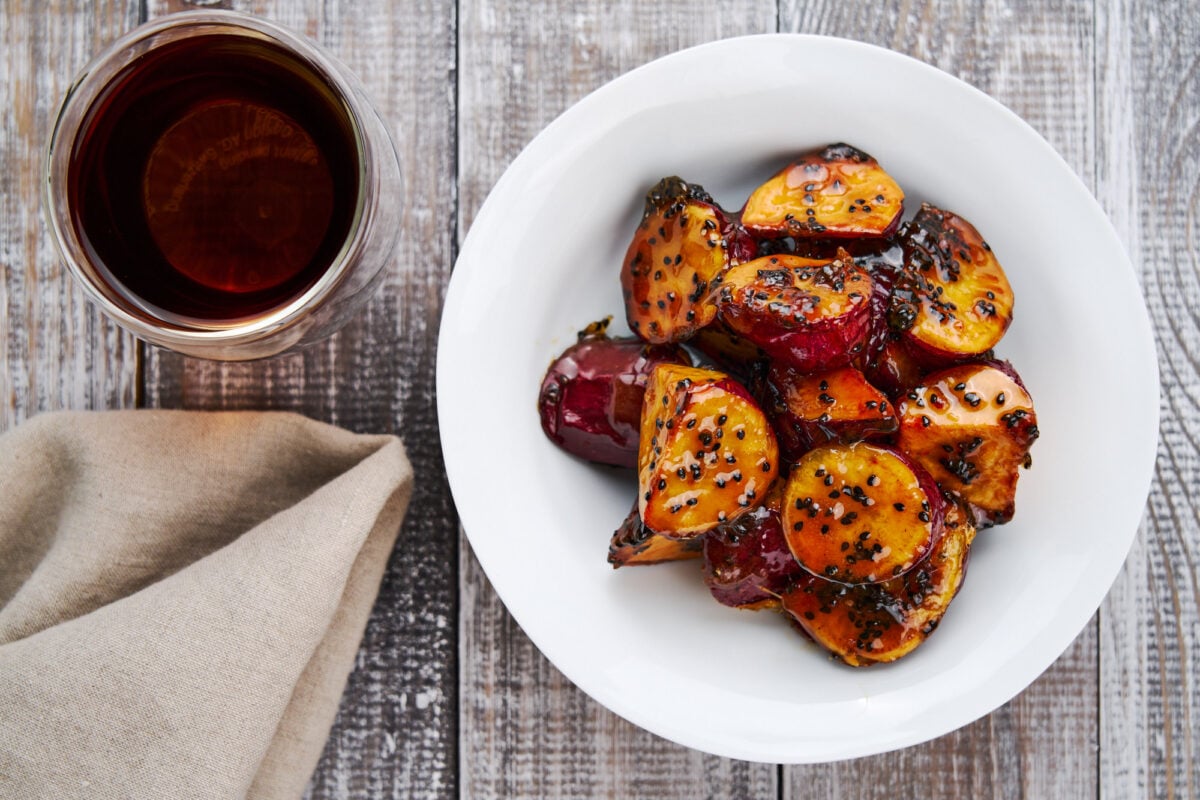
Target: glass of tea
x=221 y=187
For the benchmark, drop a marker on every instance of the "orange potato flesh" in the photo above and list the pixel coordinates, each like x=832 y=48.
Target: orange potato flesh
x=706 y=454
x=971 y=427
x=965 y=300
x=633 y=544
x=859 y=513
x=676 y=252
x=835 y=191
x=880 y=622
x=837 y=405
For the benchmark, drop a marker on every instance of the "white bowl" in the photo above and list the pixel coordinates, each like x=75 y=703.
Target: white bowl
x=542 y=259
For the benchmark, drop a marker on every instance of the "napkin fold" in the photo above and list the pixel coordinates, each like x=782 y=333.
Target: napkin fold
x=181 y=597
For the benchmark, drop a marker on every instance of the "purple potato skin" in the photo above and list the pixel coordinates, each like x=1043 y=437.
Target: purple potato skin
x=747 y=563
x=590 y=402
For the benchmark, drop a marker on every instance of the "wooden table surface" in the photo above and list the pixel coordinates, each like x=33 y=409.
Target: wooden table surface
x=448 y=696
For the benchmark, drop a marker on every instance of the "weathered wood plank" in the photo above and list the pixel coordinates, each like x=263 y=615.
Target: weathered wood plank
x=395 y=734
x=1148 y=142
x=525 y=730
x=57 y=350
x=1037 y=59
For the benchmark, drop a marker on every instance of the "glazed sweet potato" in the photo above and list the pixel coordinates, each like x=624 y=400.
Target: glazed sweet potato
x=878 y=622
x=747 y=563
x=860 y=513
x=952 y=299
x=590 y=402
x=836 y=191
x=838 y=405
x=633 y=544
x=971 y=427
x=706 y=455
x=808 y=314
x=676 y=252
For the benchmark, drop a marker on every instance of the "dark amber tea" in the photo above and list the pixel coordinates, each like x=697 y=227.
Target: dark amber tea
x=216 y=178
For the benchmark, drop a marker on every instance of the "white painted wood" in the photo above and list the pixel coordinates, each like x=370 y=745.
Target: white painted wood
x=58 y=352
x=1148 y=144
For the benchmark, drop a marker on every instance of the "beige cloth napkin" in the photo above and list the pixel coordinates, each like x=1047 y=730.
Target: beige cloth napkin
x=181 y=598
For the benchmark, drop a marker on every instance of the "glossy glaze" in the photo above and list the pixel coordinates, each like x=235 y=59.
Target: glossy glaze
x=972 y=427
x=809 y=314
x=878 y=622
x=835 y=191
x=707 y=454
x=952 y=298
x=676 y=252
x=860 y=513
x=837 y=405
x=747 y=563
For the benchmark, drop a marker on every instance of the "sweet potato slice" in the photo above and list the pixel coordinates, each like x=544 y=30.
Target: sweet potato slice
x=676 y=252
x=860 y=513
x=747 y=563
x=971 y=427
x=835 y=191
x=590 y=402
x=878 y=622
x=952 y=298
x=633 y=544
x=834 y=406
x=809 y=314
x=706 y=454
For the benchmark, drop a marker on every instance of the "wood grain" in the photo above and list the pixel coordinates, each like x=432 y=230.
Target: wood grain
x=1037 y=59
x=395 y=734
x=449 y=697
x=57 y=351
x=525 y=730
x=1148 y=142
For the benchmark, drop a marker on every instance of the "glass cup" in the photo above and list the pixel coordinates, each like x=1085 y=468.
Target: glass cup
x=221 y=187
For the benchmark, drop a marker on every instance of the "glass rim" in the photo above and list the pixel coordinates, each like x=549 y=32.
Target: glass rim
x=87 y=87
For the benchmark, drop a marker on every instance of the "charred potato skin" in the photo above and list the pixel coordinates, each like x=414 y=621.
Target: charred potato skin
x=952 y=300
x=972 y=426
x=872 y=623
x=633 y=544
x=590 y=401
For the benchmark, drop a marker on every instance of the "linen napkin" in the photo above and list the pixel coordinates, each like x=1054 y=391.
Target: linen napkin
x=181 y=598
